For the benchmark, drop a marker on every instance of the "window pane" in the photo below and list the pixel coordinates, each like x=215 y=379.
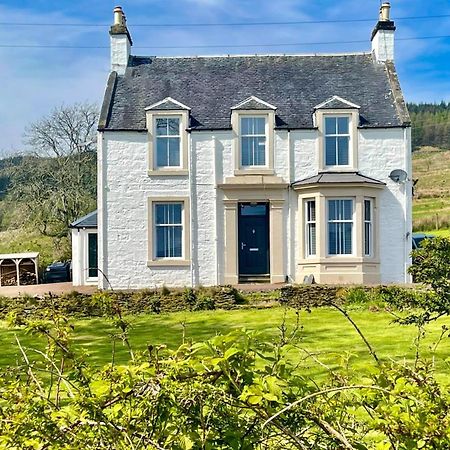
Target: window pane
x=330 y=151
x=347 y=236
x=177 y=242
x=254 y=210
x=92 y=255
x=342 y=125
x=161 y=127
x=174 y=126
x=174 y=151
x=332 y=209
x=246 y=125
x=312 y=211
x=169 y=213
x=342 y=151
x=162 y=152
x=330 y=125
x=311 y=239
x=161 y=242
x=367 y=238
x=259 y=151
x=347 y=206
x=333 y=238
x=259 y=125
x=246 y=151
x=367 y=210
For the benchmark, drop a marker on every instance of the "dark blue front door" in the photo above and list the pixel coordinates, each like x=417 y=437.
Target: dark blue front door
x=253 y=239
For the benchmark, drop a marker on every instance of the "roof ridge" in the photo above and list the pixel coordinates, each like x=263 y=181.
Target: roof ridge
x=256 y=55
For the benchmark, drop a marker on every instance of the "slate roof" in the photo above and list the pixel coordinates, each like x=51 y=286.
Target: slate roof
x=337 y=177
x=88 y=221
x=211 y=86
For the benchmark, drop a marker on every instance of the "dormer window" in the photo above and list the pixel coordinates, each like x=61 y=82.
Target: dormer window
x=253 y=122
x=168 y=141
x=167 y=123
x=253 y=141
x=337 y=120
x=337 y=140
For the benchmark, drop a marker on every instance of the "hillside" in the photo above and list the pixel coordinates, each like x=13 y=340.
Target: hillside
x=430 y=124
x=431 y=210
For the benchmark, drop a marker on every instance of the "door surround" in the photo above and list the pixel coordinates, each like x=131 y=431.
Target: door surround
x=276 y=200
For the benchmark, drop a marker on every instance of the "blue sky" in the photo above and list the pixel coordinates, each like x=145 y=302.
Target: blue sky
x=33 y=81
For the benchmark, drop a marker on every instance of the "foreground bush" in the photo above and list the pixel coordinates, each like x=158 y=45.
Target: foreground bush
x=230 y=392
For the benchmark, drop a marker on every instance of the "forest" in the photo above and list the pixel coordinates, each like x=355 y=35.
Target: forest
x=430 y=124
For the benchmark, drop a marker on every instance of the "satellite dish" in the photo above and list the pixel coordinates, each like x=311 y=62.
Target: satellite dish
x=398 y=176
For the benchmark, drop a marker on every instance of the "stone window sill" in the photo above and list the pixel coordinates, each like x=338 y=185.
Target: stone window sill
x=162 y=173
x=252 y=171
x=169 y=263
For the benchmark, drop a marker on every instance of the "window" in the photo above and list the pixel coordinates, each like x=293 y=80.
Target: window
x=253 y=141
x=310 y=227
x=368 y=226
x=92 y=256
x=340 y=227
x=168 y=141
x=168 y=230
x=337 y=141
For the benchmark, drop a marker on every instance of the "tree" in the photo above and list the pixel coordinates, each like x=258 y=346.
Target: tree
x=56 y=182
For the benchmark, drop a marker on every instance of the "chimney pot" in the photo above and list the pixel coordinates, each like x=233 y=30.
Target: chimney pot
x=385 y=12
x=118 y=16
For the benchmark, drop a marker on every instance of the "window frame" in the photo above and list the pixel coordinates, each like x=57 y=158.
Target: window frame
x=319 y=122
x=268 y=168
x=153 y=168
x=352 y=221
x=167 y=137
x=171 y=225
x=154 y=260
x=337 y=136
x=242 y=135
x=308 y=224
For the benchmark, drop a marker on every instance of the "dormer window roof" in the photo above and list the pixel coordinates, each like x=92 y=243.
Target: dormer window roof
x=253 y=103
x=168 y=104
x=336 y=102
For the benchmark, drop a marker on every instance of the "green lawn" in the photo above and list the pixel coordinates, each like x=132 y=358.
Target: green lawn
x=325 y=332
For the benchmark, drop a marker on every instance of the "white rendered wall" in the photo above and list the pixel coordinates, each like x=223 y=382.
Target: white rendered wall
x=80 y=264
x=381 y=151
x=123 y=214
x=127 y=188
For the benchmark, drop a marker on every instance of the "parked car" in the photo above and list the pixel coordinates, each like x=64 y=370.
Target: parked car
x=58 y=272
x=418 y=238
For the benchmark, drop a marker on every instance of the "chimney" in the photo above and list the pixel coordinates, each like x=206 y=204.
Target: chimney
x=383 y=35
x=120 y=42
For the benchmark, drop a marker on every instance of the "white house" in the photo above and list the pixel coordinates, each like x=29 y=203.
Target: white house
x=229 y=169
